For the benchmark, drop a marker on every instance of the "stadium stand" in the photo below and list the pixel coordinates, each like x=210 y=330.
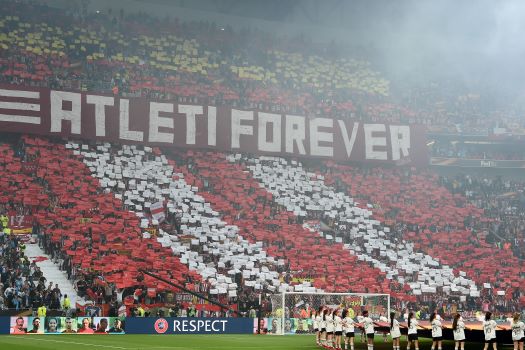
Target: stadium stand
x=15 y=270
x=434 y=219
x=84 y=225
x=22 y=282
x=262 y=216
x=242 y=200
x=236 y=225
x=502 y=201
x=140 y=178
x=125 y=54
x=127 y=57
x=133 y=55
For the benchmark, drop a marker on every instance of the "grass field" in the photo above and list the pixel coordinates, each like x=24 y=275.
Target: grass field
x=187 y=342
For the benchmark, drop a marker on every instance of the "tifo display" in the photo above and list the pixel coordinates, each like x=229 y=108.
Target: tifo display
x=167 y=124
x=193 y=210
x=253 y=169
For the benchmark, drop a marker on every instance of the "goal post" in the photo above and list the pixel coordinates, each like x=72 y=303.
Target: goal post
x=291 y=311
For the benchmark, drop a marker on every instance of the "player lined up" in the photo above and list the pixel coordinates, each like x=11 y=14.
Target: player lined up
x=333 y=325
x=328 y=327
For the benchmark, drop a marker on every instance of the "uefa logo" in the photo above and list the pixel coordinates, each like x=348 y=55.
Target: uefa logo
x=161 y=326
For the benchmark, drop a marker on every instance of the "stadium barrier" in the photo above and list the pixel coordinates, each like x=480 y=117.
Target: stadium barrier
x=4 y=325
x=140 y=325
x=22 y=325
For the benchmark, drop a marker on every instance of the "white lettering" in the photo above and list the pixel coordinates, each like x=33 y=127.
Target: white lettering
x=212 y=126
x=213 y=326
x=349 y=144
x=156 y=121
x=400 y=140
x=58 y=113
x=317 y=136
x=124 y=132
x=198 y=325
x=262 y=140
x=295 y=133
x=238 y=129
x=100 y=103
x=191 y=112
x=374 y=141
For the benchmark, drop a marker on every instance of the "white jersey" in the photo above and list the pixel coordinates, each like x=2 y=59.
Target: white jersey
x=322 y=322
x=329 y=323
x=314 y=322
x=459 y=332
x=368 y=323
x=348 y=325
x=413 y=326
x=338 y=323
x=489 y=328
x=317 y=322
x=395 y=332
x=436 y=329
x=517 y=330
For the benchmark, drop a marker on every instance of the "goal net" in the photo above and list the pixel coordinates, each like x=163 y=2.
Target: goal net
x=291 y=311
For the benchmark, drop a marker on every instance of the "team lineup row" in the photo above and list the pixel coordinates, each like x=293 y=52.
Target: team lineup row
x=333 y=325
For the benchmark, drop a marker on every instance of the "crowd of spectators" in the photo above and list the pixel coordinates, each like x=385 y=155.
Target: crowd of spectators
x=201 y=62
x=135 y=54
x=22 y=284
x=446 y=107
x=501 y=203
x=178 y=228
x=480 y=217
x=33 y=196
x=164 y=58
x=21 y=156
x=502 y=200
x=417 y=208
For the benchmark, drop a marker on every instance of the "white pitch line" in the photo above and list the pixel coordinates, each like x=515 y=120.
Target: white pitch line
x=72 y=342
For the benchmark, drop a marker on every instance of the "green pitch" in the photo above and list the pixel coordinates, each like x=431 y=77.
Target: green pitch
x=191 y=342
